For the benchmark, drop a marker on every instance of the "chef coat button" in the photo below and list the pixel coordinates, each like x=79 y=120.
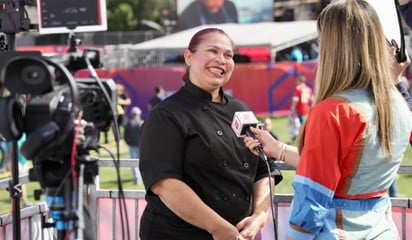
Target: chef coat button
x=219 y=133
x=246 y=165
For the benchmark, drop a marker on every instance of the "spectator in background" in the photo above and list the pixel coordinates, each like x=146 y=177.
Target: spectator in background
x=6 y=150
x=402 y=85
x=23 y=168
x=393 y=189
x=314 y=50
x=131 y=137
x=157 y=98
x=123 y=100
x=302 y=99
x=301 y=103
x=404 y=88
x=5 y=158
x=267 y=125
x=296 y=54
x=201 y=12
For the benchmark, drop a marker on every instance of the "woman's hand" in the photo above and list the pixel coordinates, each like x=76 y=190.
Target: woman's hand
x=397 y=67
x=226 y=232
x=270 y=145
x=250 y=226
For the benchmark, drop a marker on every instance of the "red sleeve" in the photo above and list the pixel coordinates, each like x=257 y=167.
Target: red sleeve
x=297 y=92
x=333 y=135
x=410 y=139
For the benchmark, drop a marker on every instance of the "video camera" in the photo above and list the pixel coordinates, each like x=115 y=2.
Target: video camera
x=54 y=100
x=60 y=116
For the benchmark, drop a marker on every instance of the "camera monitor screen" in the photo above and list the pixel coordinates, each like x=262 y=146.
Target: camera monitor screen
x=71 y=16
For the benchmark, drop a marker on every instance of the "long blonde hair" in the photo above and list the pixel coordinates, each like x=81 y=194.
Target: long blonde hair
x=353 y=54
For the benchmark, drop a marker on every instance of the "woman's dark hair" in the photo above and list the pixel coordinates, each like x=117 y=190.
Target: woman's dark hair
x=197 y=39
x=158 y=88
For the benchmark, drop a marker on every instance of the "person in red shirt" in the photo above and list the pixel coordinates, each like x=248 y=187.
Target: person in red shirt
x=302 y=99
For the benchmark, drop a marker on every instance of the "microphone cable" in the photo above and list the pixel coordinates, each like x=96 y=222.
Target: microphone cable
x=241 y=125
x=264 y=158
x=124 y=219
x=275 y=231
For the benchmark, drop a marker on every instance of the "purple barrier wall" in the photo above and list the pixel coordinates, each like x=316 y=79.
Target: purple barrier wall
x=267 y=89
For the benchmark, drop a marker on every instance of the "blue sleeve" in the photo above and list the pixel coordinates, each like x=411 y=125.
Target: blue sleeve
x=405 y=94
x=293 y=234
x=309 y=207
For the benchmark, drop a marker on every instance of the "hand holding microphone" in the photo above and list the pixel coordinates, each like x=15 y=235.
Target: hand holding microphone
x=245 y=123
x=260 y=141
x=242 y=121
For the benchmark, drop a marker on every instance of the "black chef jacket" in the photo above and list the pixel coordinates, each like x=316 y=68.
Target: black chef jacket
x=189 y=137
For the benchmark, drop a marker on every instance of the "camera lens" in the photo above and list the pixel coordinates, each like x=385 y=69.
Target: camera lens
x=33 y=75
x=27 y=75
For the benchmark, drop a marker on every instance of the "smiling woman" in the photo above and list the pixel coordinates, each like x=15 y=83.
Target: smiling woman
x=210 y=62
x=223 y=189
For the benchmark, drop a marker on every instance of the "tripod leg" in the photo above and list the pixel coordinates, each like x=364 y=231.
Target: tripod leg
x=15 y=192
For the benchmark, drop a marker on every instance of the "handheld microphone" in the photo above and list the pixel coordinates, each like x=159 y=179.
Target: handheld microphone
x=242 y=121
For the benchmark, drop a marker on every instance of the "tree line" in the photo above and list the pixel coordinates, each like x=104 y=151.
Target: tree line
x=127 y=15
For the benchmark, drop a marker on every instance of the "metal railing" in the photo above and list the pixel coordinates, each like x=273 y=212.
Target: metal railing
x=104 y=207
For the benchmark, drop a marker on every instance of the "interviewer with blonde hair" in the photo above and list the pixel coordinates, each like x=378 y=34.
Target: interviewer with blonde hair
x=355 y=135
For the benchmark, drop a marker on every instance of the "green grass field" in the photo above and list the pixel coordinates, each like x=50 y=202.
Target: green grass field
x=108 y=178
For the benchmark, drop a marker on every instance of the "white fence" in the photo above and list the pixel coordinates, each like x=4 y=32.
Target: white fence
x=104 y=208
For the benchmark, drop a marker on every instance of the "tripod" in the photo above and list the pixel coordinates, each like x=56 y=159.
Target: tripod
x=7 y=43
x=68 y=209
x=15 y=192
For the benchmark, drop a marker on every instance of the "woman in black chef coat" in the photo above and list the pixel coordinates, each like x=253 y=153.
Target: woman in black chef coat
x=201 y=180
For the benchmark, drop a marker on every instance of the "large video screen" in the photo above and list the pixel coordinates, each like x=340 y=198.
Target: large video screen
x=192 y=13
